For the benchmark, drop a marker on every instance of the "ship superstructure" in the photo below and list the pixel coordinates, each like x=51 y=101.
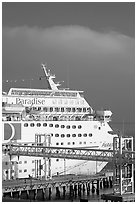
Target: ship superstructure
x=52 y=117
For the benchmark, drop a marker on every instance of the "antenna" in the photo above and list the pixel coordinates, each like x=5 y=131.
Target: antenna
x=67 y=76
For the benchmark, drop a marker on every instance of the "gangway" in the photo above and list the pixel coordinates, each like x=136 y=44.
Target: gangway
x=21 y=149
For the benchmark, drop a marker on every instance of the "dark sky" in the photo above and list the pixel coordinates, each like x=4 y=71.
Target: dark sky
x=88 y=45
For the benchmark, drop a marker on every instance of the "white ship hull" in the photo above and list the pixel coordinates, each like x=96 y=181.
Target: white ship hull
x=87 y=134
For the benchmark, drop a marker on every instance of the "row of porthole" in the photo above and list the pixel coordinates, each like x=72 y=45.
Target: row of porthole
x=69 y=143
x=74 y=135
x=51 y=125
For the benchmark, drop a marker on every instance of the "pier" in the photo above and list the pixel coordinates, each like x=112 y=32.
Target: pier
x=122 y=156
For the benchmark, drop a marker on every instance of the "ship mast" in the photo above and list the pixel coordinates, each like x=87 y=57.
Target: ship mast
x=50 y=77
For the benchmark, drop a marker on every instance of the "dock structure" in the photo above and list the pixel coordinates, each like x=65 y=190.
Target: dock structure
x=122 y=156
x=123 y=171
x=57 y=188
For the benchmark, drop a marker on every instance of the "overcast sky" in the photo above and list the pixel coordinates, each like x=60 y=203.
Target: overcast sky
x=88 y=45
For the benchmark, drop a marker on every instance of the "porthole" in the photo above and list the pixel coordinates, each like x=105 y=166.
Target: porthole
x=68 y=143
x=99 y=128
x=73 y=135
x=44 y=124
x=68 y=135
x=90 y=134
x=57 y=143
x=84 y=142
x=85 y=135
x=79 y=135
x=68 y=126
x=80 y=142
x=56 y=126
x=25 y=124
x=61 y=143
x=56 y=135
x=50 y=125
x=73 y=143
x=62 y=126
x=73 y=126
x=79 y=126
x=38 y=124
x=32 y=124
x=62 y=135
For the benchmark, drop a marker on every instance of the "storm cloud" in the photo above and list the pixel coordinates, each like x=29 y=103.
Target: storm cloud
x=100 y=63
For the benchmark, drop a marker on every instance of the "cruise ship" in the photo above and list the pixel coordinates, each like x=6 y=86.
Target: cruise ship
x=53 y=117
